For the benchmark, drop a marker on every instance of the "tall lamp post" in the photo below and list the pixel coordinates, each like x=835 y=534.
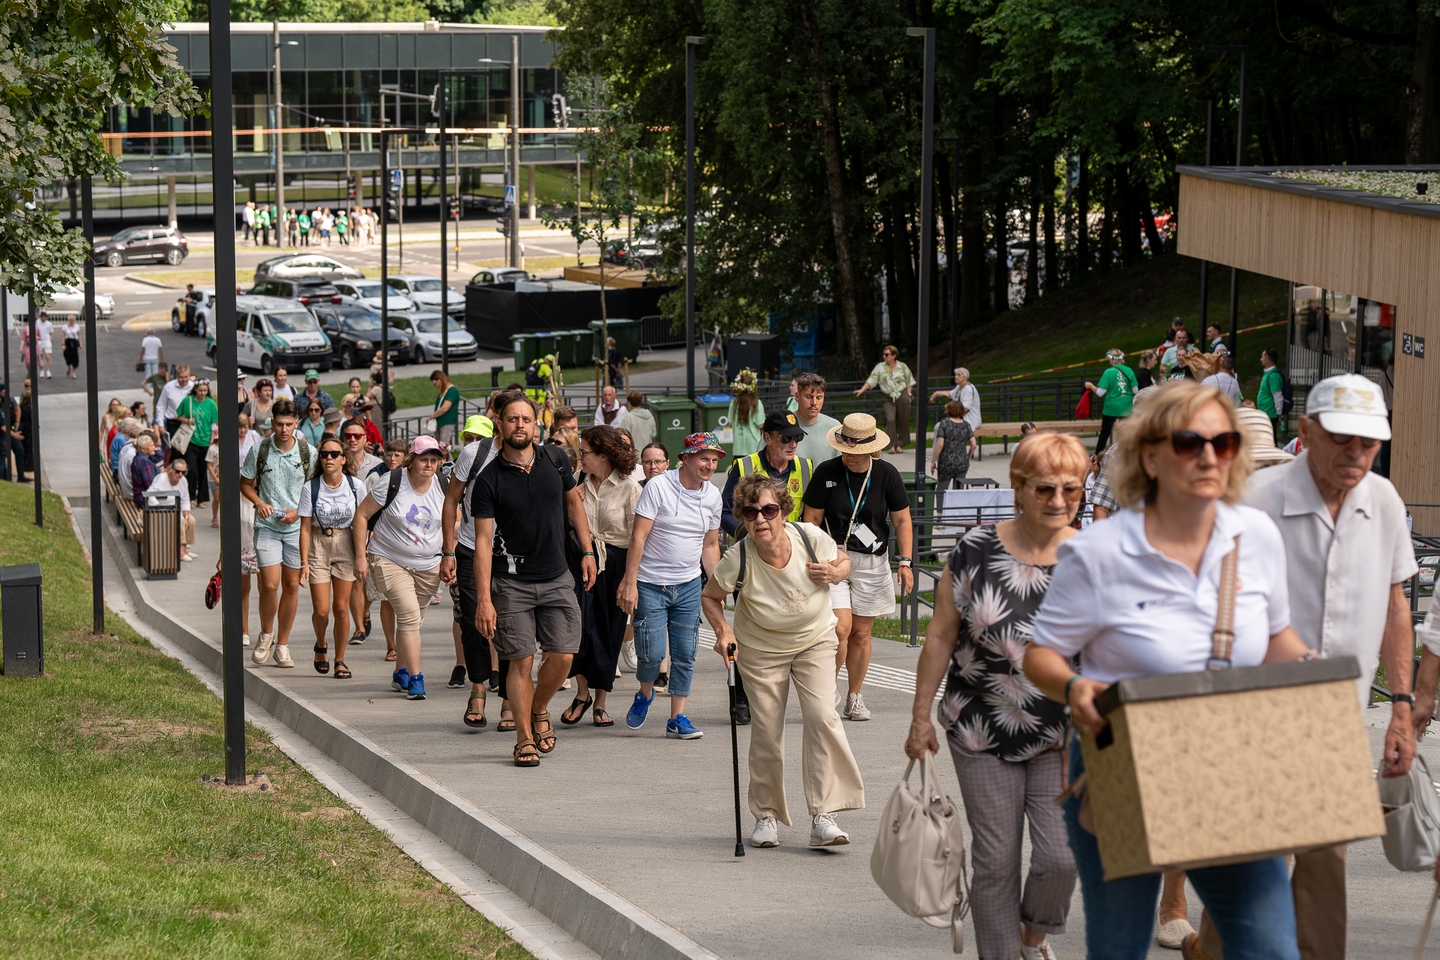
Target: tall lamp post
x=690 y=44
x=1205 y=264
x=92 y=396
x=952 y=257
x=512 y=158
x=1244 y=51
x=279 y=137
x=927 y=239
x=32 y=439
x=222 y=188
x=385 y=134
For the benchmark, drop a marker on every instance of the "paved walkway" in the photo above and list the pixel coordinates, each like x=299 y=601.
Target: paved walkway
x=652 y=818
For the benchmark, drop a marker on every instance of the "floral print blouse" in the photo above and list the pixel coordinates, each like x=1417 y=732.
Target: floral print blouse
x=989 y=706
x=892 y=383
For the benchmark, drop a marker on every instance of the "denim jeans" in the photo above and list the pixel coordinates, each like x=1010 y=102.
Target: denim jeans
x=672 y=611
x=1250 y=903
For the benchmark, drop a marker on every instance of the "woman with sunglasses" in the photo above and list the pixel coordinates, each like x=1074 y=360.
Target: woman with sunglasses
x=1137 y=596
x=896 y=383
x=784 y=635
x=1004 y=735
x=328 y=502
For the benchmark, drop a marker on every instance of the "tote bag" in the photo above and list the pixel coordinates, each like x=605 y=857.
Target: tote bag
x=1412 y=818
x=181 y=440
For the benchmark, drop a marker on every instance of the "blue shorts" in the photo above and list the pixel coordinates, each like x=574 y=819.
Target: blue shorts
x=272 y=546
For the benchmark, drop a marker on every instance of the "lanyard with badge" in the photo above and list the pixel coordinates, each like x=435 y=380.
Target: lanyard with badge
x=864 y=534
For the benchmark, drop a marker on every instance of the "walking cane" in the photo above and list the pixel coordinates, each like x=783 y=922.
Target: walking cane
x=1429 y=918
x=734 y=747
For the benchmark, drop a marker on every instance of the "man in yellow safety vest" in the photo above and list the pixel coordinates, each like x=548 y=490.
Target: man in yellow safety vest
x=782 y=433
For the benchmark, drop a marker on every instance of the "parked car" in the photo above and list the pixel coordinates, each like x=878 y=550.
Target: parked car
x=305 y=265
x=424 y=292
x=67 y=300
x=499 y=275
x=366 y=293
x=639 y=253
x=423 y=328
x=272 y=332
x=142 y=245
x=354 y=334
x=307 y=290
x=180 y=317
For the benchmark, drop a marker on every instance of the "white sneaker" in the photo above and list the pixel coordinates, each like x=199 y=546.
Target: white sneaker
x=628 y=658
x=765 y=834
x=1042 y=952
x=1171 y=934
x=855 y=707
x=261 y=653
x=244 y=639
x=825 y=832
x=282 y=656
x=566 y=685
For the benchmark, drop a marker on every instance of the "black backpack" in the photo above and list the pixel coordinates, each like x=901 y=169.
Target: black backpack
x=1287 y=395
x=532 y=375
x=740 y=577
x=392 y=487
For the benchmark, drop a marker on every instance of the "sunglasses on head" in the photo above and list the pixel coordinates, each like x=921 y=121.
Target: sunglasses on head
x=331 y=454
x=770 y=511
x=1187 y=444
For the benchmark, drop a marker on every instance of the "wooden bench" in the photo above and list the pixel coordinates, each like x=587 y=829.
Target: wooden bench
x=1007 y=430
x=132 y=521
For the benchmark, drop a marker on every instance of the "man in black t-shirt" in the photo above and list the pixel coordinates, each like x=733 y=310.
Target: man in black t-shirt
x=856 y=498
x=524 y=589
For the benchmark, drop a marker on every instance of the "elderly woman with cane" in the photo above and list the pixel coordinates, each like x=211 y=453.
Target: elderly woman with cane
x=784 y=630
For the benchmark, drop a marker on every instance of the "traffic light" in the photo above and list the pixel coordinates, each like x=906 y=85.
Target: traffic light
x=392 y=206
x=502 y=226
x=454 y=208
x=350 y=187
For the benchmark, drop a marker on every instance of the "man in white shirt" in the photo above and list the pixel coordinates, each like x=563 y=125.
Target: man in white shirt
x=610 y=412
x=965 y=393
x=282 y=385
x=152 y=353
x=809 y=399
x=44 y=330
x=1225 y=379
x=170 y=397
x=1348 y=554
x=172 y=480
x=247 y=220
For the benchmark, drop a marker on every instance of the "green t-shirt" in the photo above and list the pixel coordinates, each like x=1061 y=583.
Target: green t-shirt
x=156 y=383
x=452 y=416
x=1119 y=386
x=205 y=413
x=1270 y=384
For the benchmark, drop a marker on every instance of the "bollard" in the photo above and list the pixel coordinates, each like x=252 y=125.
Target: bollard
x=23 y=621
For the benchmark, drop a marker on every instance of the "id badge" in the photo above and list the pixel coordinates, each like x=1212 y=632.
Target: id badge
x=865 y=536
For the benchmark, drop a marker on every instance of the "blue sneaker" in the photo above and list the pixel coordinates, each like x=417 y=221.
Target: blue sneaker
x=417 y=687
x=400 y=680
x=639 y=710
x=680 y=728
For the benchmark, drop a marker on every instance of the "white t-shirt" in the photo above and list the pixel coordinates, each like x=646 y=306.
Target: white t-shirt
x=969 y=397
x=1130 y=611
x=287 y=391
x=162 y=484
x=43 y=331
x=71 y=331
x=466 y=470
x=251 y=439
x=337 y=504
x=1226 y=382
x=681 y=518
x=150 y=347
x=780 y=611
x=409 y=531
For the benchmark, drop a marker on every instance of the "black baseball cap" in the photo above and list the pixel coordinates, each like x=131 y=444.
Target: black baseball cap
x=784 y=424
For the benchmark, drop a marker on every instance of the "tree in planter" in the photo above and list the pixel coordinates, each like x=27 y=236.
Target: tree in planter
x=605 y=201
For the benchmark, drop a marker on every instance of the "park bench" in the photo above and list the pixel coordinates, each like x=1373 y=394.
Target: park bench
x=131 y=519
x=1007 y=430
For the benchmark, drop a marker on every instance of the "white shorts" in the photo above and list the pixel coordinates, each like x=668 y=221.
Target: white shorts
x=870 y=589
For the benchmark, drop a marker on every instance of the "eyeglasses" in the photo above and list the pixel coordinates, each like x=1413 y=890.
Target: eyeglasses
x=655 y=463
x=586 y=453
x=1187 y=444
x=1343 y=439
x=770 y=511
x=331 y=454
x=1046 y=491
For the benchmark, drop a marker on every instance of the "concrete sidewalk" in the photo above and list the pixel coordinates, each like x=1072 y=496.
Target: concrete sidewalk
x=652 y=819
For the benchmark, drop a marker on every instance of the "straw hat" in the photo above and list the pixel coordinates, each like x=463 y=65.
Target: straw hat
x=858 y=434
x=1260 y=435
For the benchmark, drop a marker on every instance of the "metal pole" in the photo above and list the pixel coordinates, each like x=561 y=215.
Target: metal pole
x=513 y=213
x=444 y=219
x=690 y=44
x=1239 y=162
x=32 y=439
x=222 y=180
x=92 y=394
x=279 y=147
x=5 y=328
x=385 y=281
x=1205 y=264
x=927 y=240
x=952 y=256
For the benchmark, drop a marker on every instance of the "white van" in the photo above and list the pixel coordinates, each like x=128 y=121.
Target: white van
x=272 y=332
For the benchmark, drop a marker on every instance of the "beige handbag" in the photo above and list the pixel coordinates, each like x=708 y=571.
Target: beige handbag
x=919 y=856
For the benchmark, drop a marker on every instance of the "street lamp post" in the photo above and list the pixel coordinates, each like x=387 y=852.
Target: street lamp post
x=514 y=211
x=32 y=439
x=927 y=239
x=690 y=44
x=1205 y=264
x=952 y=258
x=92 y=396
x=1244 y=51
x=385 y=133
x=279 y=137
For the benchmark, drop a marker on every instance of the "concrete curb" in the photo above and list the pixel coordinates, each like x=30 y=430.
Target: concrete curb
x=141 y=278
x=596 y=916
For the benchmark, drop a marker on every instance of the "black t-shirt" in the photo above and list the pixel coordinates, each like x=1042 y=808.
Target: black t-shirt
x=838 y=491
x=529 y=514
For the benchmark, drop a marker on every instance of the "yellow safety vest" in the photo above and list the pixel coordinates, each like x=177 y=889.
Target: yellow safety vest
x=800 y=470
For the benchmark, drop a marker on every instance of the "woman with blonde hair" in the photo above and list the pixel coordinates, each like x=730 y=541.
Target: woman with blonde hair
x=1137 y=596
x=1004 y=735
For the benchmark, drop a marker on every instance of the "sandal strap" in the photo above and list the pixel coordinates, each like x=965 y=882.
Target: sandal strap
x=319 y=649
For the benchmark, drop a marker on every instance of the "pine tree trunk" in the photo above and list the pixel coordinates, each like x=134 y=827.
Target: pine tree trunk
x=1032 y=245
x=1047 y=200
x=1107 y=227
x=1083 y=257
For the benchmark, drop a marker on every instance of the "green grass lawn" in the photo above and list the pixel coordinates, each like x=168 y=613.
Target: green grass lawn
x=417 y=391
x=113 y=847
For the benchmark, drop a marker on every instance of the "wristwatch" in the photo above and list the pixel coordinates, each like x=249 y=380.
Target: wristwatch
x=1402 y=698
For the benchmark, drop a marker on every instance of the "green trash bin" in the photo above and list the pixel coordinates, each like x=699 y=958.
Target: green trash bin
x=627 y=338
x=545 y=343
x=578 y=343
x=525 y=348
x=715 y=417
x=674 y=418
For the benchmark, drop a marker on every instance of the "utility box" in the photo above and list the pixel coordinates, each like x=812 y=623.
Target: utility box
x=23 y=620
x=160 y=540
x=759 y=352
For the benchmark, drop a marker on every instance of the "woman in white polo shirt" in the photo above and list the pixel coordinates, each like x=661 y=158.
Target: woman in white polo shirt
x=1137 y=596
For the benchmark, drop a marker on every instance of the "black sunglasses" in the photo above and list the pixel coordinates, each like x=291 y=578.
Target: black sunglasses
x=330 y=454
x=1343 y=439
x=770 y=511
x=1187 y=444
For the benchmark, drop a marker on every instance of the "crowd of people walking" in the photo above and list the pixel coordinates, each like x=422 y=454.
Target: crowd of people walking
x=301 y=226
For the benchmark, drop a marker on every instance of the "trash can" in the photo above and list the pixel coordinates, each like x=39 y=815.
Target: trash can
x=715 y=416
x=24 y=620
x=545 y=343
x=160 y=541
x=674 y=419
x=627 y=338
x=572 y=348
x=526 y=350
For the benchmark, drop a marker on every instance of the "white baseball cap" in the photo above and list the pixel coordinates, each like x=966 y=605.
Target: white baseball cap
x=1349 y=405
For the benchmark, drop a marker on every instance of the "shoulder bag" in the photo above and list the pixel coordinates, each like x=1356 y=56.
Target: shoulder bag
x=1412 y=818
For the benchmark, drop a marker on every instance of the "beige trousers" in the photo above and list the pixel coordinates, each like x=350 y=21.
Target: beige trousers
x=1318 y=886
x=831 y=776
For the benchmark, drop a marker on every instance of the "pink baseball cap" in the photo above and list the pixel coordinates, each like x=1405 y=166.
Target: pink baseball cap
x=424 y=444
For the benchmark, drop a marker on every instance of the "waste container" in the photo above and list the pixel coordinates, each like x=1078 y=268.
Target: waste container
x=160 y=541
x=715 y=416
x=526 y=350
x=674 y=418
x=627 y=338
x=572 y=348
x=24 y=621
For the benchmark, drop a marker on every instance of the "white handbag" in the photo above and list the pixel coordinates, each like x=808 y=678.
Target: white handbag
x=1412 y=818
x=919 y=856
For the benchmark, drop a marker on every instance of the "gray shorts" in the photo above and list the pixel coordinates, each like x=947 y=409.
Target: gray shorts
x=526 y=612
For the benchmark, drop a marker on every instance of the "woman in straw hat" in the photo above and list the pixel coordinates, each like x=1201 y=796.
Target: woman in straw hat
x=857 y=498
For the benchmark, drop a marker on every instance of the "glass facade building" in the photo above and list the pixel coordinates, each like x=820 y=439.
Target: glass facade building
x=1333 y=332
x=338 y=81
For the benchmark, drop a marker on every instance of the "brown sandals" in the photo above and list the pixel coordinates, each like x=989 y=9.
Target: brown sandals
x=542 y=730
x=525 y=755
x=473 y=717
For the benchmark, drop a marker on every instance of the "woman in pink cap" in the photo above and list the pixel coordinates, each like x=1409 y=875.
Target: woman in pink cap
x=405 y=547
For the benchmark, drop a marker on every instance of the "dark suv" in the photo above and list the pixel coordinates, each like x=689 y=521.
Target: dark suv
x=354 y=334
x=143 y=244
x=308 y=290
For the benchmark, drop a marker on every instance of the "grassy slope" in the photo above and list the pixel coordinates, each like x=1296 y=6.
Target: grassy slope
x=1129 y=309
x=112 y=847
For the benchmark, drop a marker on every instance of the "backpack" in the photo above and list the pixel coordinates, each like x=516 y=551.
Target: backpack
x=390 y=406
x=740 y=577
x=467 y=511
x=532 y=375
x=262 y=459
x=1287 y=395
x=573 y=553
x=392 y=487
